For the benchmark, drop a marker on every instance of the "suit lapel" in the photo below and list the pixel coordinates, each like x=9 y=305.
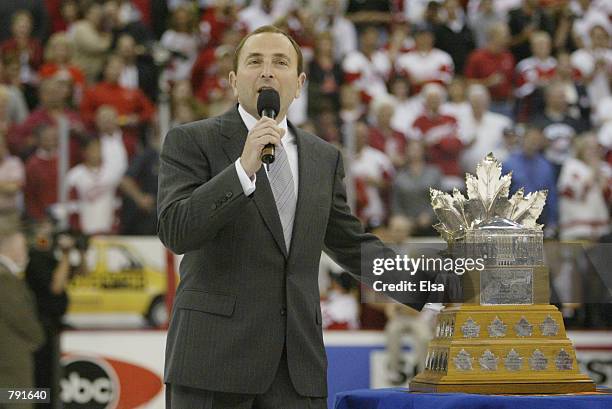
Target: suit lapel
x=235 y=133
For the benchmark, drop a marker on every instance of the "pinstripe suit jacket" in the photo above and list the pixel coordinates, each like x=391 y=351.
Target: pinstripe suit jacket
x=242 y=297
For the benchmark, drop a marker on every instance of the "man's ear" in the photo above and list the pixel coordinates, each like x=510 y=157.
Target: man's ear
x=300 y=84
x=232 y=81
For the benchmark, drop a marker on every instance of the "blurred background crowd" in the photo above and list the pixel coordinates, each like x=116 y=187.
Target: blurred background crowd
x=414 y=92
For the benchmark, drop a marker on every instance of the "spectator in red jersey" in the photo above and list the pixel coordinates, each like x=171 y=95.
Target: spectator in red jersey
x=425 y=64
x=457 y=104
x=58 y=62
x=41 y=173
x=222 y=16
x=92 y=41
x=25 y=49
x=440 y=134
x=134 y=108
x=53 y=94
x=383 y=137
x=206 y=60
x=373 y=173
x=533 y=74
x=493 y=67
x=214 y=83
x=368 y=68
x=325 y=77
x=585 y=188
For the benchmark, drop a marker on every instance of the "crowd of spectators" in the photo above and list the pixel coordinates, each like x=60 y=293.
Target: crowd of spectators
x=414 y=92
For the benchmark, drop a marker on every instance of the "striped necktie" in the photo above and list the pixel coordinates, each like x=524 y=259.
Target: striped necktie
x=281 y=182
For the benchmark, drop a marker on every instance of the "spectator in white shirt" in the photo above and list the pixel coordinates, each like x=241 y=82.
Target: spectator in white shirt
x=595 y=64
x=486 y=128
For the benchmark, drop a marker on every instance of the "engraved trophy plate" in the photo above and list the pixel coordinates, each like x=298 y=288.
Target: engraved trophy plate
x=523 y=328
x=549 y=327
x=506 y=286
x=463 y=361
x=470 y=329
x=497 y=328
x=538 y=361
x=513 y=361
x=564 y=361
x=488 y=361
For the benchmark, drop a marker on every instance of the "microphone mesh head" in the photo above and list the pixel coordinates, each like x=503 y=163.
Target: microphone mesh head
x=268 y=100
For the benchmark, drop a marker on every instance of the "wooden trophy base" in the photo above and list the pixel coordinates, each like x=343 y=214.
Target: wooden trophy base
x=501 y=349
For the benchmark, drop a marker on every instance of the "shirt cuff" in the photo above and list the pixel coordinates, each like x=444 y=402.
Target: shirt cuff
x=248 y=185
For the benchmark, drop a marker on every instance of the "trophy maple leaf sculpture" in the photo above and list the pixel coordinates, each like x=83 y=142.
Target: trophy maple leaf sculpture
x=487 y=199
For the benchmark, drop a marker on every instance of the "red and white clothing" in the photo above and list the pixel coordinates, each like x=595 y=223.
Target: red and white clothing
x=440 y=134
x=94 y=189
x=488 y=134
x=583 y=204
x=405 y=113
x=41 y=184
x=532 y=71
x=370 y=163
x=421 y=68
x=340 y=311
x=483 y=63
x=126 y=101
x=369 y=75
x=584 y=60
x=394 y=145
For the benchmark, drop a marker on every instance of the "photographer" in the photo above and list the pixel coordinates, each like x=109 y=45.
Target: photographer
x=47 y=274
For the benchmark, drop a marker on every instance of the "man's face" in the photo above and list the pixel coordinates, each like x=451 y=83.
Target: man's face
x=107 y=120
x=49 y=139
x=113 y=70
x=267 y=60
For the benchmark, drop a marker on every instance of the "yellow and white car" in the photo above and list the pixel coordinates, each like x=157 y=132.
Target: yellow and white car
x=118 y=280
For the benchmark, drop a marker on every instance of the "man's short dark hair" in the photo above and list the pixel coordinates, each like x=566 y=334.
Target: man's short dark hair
x=274 y=30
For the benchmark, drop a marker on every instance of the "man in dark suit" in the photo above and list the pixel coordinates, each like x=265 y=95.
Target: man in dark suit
x=20 y=330
x=246 y=327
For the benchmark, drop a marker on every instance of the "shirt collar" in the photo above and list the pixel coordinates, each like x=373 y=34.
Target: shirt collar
x=10 y=265
x=250 y=121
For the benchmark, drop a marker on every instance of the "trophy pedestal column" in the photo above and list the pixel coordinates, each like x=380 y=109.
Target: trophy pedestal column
x=506 y=349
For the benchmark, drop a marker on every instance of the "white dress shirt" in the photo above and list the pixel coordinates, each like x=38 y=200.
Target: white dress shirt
x=289 y=144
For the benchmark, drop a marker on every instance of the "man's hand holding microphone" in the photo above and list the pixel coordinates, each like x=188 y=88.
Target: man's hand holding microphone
x=265 y=135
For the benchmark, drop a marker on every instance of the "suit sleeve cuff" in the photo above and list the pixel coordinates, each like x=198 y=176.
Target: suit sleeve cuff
x=248 y=185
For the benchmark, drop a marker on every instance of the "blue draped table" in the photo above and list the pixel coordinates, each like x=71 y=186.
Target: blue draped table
x=399 y=398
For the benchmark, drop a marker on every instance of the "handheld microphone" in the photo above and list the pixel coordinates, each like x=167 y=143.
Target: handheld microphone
x=268 y=104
